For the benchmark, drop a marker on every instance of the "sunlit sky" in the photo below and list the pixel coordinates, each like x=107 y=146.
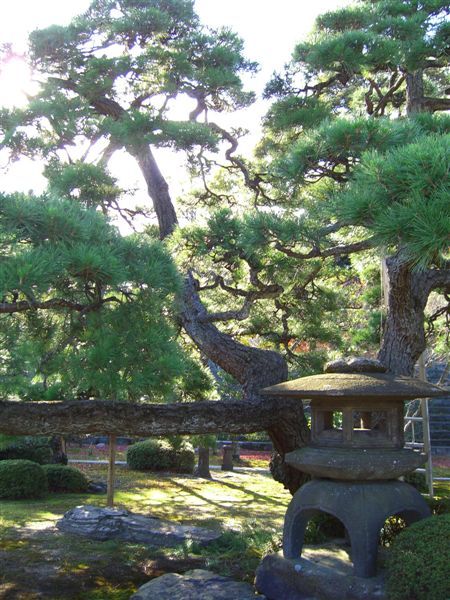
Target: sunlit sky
x=270 y=29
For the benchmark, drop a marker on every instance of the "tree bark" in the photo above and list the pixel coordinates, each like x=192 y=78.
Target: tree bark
x=158 y=190
x=280 y=417
x=414 y=92
x=123 y=418
x=254 y=369
x=408 y=290
x=404 y=334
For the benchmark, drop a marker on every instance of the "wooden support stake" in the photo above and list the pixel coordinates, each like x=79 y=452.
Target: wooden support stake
x=111 y=470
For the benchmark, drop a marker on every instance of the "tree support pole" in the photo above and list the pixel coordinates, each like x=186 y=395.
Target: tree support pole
x=111 y=470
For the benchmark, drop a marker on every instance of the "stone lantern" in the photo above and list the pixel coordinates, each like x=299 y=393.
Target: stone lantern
x=356 y=455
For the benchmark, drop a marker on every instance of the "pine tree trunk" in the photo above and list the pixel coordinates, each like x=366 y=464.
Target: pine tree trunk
x=254 y=369
x=414 y=92
x=58 y=450
x=146 y=419
x=404 y=332
x=158 y=190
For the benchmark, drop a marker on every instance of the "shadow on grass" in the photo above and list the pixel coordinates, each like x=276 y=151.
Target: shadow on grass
x=38 y=561
x=51 y=564
x=256 y=495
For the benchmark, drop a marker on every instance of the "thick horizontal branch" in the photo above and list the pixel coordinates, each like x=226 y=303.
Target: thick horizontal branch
x=228 y=315
x=139 y=419
x=265 y=291
x=435 y=104
x=436 y=278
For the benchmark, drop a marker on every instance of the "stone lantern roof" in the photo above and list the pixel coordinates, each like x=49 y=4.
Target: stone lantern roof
x=364 y=386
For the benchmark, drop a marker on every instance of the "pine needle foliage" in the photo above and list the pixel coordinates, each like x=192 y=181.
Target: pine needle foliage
x=86 y=312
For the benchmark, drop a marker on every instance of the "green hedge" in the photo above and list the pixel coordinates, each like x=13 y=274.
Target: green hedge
x=417 y=480
x=38 y=451
x=418 y=561
x=65 y=479
x=22 y=479
x=161 y=455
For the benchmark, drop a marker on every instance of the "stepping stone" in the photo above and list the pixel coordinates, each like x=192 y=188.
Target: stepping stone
x=195 y=585
x=113 y=523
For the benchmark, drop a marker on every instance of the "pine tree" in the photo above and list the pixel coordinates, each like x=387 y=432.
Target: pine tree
x=357 y=127
x=338 y=128
x=86 y=313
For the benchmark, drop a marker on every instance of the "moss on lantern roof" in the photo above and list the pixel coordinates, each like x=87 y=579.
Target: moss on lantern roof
x=355 y=385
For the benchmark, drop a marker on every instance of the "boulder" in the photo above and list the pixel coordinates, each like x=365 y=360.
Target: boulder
x=195 y=585
x=323 y=573
x=97 y=487
x=113 y=523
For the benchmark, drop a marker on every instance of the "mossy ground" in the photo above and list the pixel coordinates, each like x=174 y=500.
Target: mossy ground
x=38 y=561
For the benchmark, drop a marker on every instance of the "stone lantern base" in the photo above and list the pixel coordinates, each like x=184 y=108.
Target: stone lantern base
x=362 y=507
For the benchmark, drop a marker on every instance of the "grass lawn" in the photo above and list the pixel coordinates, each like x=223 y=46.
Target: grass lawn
x=38 y=561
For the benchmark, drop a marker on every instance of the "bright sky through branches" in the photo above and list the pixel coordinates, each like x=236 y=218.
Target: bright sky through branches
x=270 y=29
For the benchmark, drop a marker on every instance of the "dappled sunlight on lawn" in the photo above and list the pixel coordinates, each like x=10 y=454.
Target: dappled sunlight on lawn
x=229 y=499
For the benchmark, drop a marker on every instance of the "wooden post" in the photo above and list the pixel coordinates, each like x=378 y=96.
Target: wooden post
x=111 y=470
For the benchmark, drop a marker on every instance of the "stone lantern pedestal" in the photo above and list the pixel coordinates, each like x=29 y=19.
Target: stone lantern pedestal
x=355 y=457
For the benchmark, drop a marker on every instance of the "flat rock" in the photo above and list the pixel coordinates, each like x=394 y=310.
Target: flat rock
x=113 y=523
x=195 y=585
x=323 y=573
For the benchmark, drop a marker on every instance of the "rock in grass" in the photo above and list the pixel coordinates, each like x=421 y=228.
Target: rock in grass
x=194 y=585
x=112 y=523
x=324 y=573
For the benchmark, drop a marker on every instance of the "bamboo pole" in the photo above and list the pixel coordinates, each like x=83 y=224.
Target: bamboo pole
x=111 y=470
x=426 y=429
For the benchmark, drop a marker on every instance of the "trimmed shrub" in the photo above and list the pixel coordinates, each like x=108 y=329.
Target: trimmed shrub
x=438 y=505
x=65 y=479
x=36 y=450
x=161 y=455
x=22 y=479
x=417 y=480
x=417 y=564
